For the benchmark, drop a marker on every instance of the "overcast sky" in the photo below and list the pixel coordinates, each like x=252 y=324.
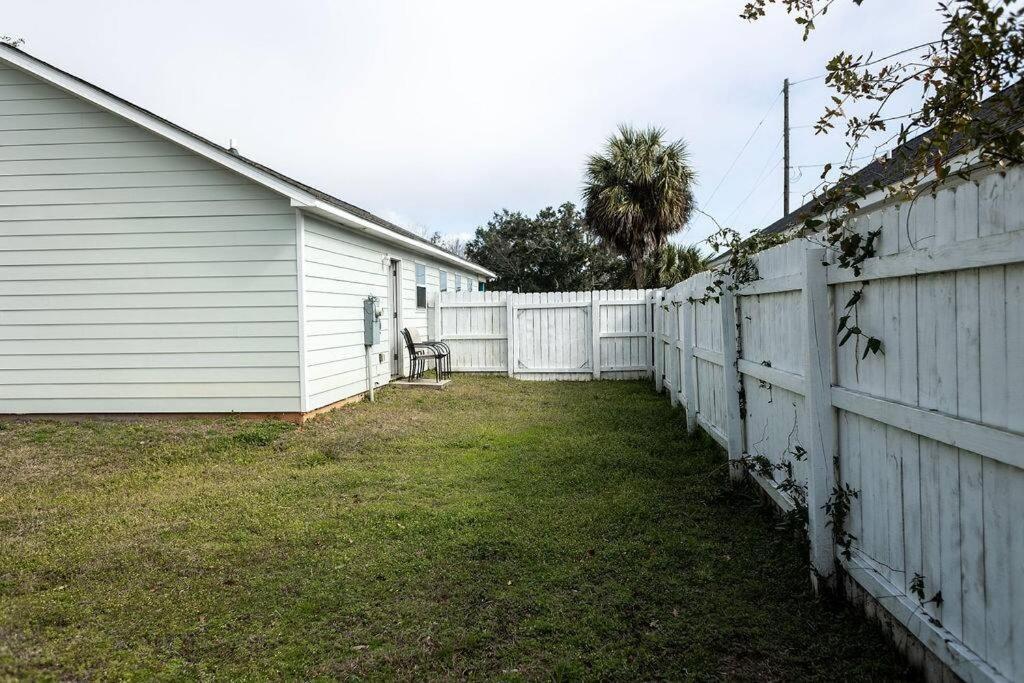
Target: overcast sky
x=434 y=114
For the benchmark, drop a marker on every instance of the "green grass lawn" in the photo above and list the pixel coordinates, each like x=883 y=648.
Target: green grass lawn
x=497 y=529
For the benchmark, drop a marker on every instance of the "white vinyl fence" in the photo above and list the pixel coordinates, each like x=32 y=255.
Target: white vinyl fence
x=929 y=434
x=555 y=335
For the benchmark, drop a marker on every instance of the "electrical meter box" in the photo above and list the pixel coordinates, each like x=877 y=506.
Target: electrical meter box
x=371 y=321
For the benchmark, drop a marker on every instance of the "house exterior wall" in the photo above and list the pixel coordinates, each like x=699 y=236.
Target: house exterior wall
x=136 y=276
x=341 y=268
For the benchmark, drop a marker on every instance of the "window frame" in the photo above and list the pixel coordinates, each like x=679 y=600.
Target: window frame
x=421 y=285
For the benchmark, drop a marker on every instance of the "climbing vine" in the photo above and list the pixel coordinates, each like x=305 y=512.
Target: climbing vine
x=795 y=519
x=837 y=511
x=917 y=589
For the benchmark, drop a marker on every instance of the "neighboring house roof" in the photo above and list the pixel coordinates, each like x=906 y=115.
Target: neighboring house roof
x=303 y=196
x=1004 y=109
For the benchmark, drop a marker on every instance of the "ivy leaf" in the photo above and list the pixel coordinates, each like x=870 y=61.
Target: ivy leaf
x=849 y=333
x=874 y=346
x=855 y=298
x=842 y=323
x=917 y=586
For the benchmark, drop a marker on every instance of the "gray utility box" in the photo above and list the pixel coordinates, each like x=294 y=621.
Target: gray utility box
x=371 y=321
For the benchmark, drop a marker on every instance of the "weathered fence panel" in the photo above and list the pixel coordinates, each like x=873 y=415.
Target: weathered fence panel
x=772 y=360
x=550 y=335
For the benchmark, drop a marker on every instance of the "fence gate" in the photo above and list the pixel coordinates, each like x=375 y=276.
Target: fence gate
x=551 y=334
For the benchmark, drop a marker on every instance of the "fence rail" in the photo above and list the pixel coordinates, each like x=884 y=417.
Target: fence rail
x=929 y=434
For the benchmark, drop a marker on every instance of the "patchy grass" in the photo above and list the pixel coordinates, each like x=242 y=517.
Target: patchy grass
x=497 y=529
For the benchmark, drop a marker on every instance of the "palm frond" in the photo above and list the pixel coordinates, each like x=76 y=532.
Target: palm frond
x=638 y=192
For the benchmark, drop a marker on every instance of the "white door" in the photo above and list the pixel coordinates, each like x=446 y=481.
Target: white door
x=394 y=319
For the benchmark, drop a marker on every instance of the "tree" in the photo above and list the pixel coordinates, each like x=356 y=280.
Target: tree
x=451 y=244
x=552 y=251
x=674 y=263
x=638 y=191
x=970 y=99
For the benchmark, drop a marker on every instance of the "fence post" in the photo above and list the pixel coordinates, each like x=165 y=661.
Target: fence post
x=688 y=310
x=657 y=349
x=671 y=347
x=438 y=331
x=595 y=334
x=733 y=419
x=821 y=418
x=510 y=326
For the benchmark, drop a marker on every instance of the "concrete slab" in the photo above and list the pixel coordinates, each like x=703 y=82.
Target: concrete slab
x=420 y=384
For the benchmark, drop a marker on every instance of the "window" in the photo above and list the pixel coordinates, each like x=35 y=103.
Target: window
x=458 y=283
x=483 y=286
x=421 y=286
x=443 y=275
x=470 y=287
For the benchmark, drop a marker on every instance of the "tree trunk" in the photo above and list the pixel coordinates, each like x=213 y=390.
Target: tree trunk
x=638 y=271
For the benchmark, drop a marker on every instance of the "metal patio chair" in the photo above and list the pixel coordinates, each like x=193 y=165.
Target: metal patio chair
x=420 y=352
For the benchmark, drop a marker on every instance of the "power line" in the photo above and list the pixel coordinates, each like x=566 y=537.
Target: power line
x=761 y=175
x=871 y=62
x=753 y=190
x=743 y=149
x=895 y=117
x=833 y=163
x=771 y=209
x=771 y=155
x=807 y=80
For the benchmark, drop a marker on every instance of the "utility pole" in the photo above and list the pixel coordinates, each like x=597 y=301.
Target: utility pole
x=785 y=146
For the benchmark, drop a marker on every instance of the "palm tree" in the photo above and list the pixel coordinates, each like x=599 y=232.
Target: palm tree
x=638 y=191
x=674 y=263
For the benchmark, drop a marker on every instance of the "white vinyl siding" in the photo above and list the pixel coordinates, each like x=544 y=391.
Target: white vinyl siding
x=341 y=268
x=135 y=276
